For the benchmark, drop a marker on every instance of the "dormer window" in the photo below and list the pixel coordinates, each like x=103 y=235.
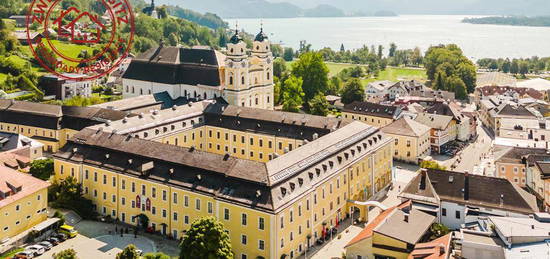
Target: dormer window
x=300 y=181
x=310 y=175
x=292 y=186
x=339 y=159
x=318 y=171
x=331 y=164
x=283 y=191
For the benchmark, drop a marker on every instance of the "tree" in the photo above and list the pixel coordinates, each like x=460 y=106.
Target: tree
x=314 y=73
x=416 y=57
x=393 y=48
x=68 y=194
x=162 y=13
x=458 y=87
x=60 y=216
x=288 y=54
x=356 y=72
x=334 y=85
x=353 y=91
x=47 y=56
x=66 y=254
x=319 y=105
x=506 y=66
x=292 y=94
x=438 y=230
x=514 y=68
x=129 y=252
x=42 y=168
x=157 y=255
x=279 y=67
x=380 y=51
x=206 y=238
x=449 y=61
x=431 y=165
x=523 y=68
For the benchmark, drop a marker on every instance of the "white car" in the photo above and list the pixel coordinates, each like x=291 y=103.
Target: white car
x=47 y=245
x=25 y=254
x=37 y=249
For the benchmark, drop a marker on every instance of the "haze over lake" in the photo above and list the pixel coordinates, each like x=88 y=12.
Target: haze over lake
x=407 y=31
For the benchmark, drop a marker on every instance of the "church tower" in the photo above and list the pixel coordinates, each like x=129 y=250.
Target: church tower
x=249 y=79
x=236 y=71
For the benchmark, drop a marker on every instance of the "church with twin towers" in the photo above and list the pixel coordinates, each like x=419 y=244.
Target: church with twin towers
x=241 y=76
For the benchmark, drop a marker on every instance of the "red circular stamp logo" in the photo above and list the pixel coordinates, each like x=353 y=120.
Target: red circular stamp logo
x=80 y=42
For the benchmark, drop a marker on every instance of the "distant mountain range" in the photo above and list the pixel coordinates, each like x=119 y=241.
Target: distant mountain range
x=259 y=8
x=482 y=7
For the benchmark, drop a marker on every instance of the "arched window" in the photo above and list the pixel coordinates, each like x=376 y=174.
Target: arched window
x=149 y=91
x=231 y=50
x=127 y=89
x=257 y=47
x=204 y=95
x=195 y=94
x=133 y=89
x=230 y=80
x=256 y=100
x=242 y=80
x=140 y=91
x=185 y=93
x=268 y=75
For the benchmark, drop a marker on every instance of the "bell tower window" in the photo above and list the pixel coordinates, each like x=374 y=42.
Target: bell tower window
x=242 y=80
x=230 y=80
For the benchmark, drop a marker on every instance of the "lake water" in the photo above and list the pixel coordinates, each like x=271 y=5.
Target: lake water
x=407 y=31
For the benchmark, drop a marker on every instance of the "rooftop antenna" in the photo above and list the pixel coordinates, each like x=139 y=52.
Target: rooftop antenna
x=261 y=25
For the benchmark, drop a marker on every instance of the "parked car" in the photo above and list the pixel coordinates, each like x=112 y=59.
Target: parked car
x=54 y=240
x=68 y=230
x=25 y=254
x=37 y=249
x=139 y=252
x=46 y=245
x=62 y=237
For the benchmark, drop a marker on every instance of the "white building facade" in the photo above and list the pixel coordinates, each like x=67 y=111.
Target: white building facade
x=242 y=79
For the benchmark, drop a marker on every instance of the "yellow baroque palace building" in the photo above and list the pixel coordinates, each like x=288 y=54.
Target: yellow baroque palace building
x=276 y=180
x=49 y=124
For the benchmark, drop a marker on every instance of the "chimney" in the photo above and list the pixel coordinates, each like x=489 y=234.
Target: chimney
x=406 y=217
x=466 y=185
x=501 y=199
x=441 y=249
x=423 y=173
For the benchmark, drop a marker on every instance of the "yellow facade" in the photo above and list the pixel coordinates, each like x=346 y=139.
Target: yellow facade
x=23 y=213
x=390 y=247
x=368 y=119
x=378 y=245
x=244 y=145
x=172 y=210
x=410 y=148
x=49 y=137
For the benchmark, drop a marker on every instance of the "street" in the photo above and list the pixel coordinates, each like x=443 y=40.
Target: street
x=404 y=174
x=471 y=155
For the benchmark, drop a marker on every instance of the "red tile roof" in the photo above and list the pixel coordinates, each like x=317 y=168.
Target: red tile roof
x=369 y=229
x=436 y=249
x=28 y=183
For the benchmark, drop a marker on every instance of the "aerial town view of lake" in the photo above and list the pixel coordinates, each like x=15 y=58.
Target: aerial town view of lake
x=407 y=31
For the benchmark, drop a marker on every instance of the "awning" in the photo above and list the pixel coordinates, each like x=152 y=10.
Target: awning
x=425 y=207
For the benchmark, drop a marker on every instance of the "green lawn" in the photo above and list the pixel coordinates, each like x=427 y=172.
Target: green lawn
x=68 y=49
x=391 y=73
x=396 y=74
x=11 y=254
